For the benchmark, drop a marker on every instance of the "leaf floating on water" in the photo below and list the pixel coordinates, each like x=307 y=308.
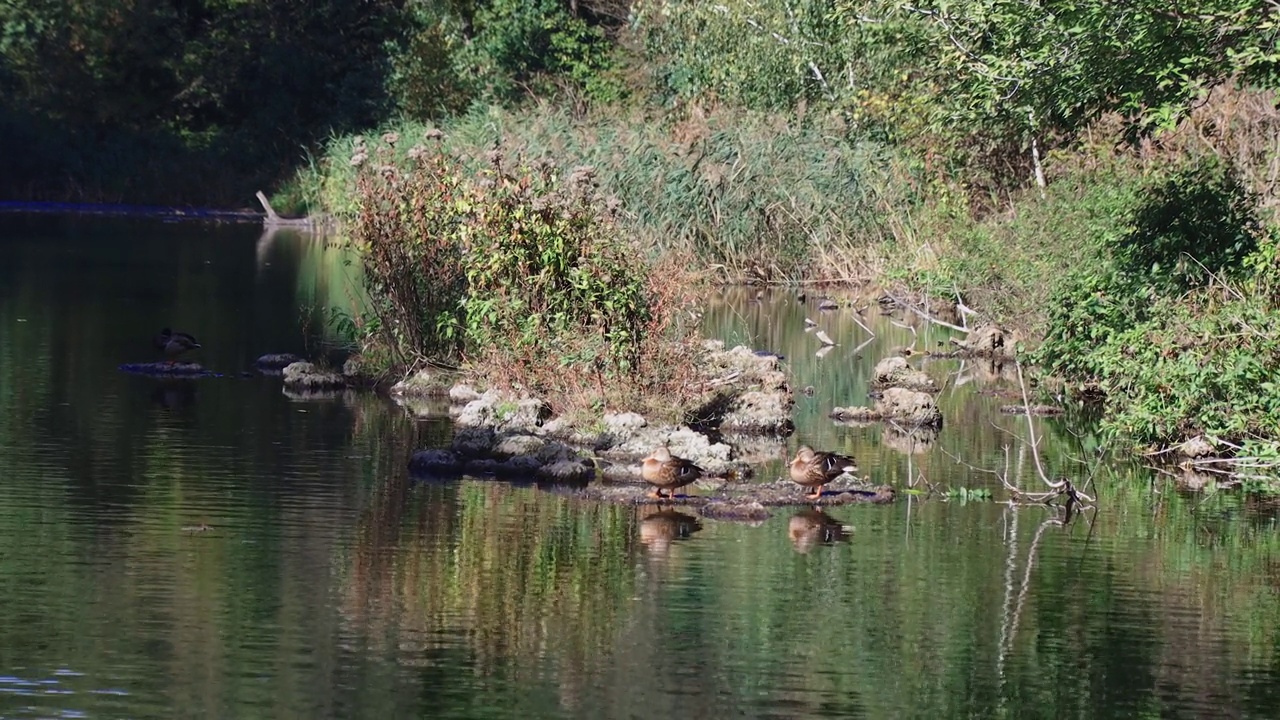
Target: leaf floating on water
x=824 y=338
x=822 y=352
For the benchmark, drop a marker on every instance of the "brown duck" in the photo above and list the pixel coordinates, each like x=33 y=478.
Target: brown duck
x=173 y=344
x=813 y=469
x=664 y=471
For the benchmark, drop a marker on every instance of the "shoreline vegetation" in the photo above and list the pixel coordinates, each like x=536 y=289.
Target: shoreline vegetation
x=540 y=190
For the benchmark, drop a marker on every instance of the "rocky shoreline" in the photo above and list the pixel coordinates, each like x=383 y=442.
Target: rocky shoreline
x=741 y=422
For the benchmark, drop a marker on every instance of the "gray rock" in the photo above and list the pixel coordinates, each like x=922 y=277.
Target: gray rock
x=757 y=411
x=987 y=341
x=1197 y=447
x=276 y=361
x=493 y=409
x=714 y=458
x=353 y=370
x=472 y=441
x=896 y=372
x=748 y=392
x=624 y=425
x=909 y=407
x=510 y=445
x=567 y=471
x=462 y=394
x=423 y=383
x=306 y=375
x=433 y=461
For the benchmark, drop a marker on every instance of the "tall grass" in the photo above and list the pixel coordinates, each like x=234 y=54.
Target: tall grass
x=752 y=196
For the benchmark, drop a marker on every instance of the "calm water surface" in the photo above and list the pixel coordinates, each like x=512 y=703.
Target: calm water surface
x=332 y=585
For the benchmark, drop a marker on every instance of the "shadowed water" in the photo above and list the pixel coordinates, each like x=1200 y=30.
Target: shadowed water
x=330 y=584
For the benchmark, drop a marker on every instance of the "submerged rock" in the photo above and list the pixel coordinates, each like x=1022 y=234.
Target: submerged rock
x=568 y=471
x=909 y=441
x=434 y=461
x=423 y=406
x=751 y=512
x=305 y=375
x=276 y=362
x=811 y=527
x=908 y=407
x=660 y=527
x=165 y=369
x=740 y=501
x=298 y=393
x=895 y=372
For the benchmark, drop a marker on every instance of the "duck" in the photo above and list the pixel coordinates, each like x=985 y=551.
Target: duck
x=812 y=527
x=173 y=344
x=665 y=471
x=812 y=469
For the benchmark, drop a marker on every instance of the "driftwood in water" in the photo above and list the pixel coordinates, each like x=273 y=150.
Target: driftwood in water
x=272 y=220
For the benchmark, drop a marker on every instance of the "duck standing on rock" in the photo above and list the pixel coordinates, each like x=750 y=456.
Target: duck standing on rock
x=812 y=469
x=665 y=471
x=173 y=344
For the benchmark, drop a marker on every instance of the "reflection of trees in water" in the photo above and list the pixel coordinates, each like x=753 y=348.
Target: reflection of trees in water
x=326 y=271
x=520 y=576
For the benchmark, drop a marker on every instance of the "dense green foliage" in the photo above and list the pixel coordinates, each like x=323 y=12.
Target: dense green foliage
x=1090 y=171
x=208 y=101
x=518 y=268
x=971 y=81
x=1167 y=318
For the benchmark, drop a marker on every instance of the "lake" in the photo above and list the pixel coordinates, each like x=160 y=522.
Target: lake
x=330 y=583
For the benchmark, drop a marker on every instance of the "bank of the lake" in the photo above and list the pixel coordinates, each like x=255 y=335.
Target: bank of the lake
x=1141 y=287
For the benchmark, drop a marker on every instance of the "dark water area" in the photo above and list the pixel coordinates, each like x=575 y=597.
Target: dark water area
x=331 y=584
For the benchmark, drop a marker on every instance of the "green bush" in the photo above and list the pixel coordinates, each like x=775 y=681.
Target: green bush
x=547 y=267
x=1174 y=321
x=1194 y=226
x=520 y=271
x=406 y=233
x=1200 y=366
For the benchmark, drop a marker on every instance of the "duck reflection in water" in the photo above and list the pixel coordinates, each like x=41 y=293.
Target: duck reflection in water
x=174 y=394
x=659 y=528
x=811 y=527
